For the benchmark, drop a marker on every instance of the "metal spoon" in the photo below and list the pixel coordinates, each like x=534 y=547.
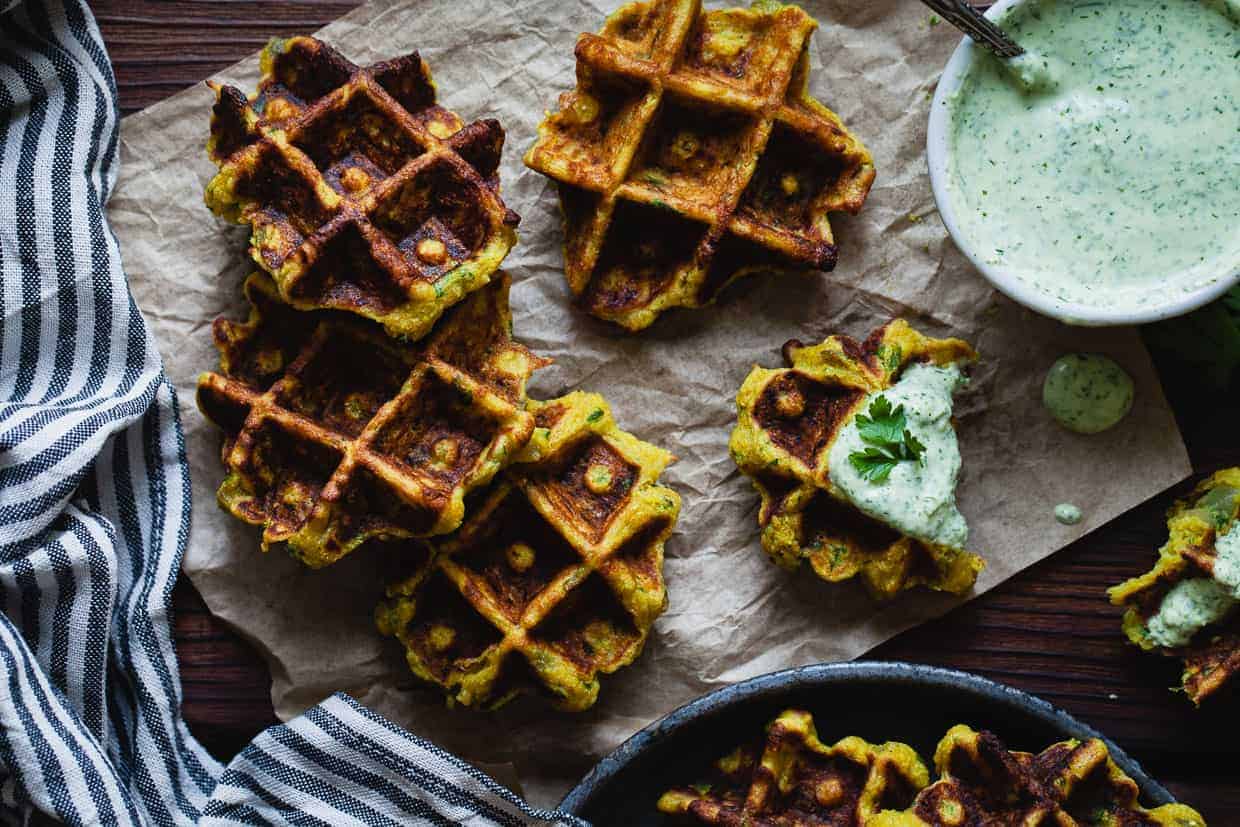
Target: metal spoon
x=969 y=20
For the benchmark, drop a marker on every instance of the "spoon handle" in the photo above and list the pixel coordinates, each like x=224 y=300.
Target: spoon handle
x=969 y=20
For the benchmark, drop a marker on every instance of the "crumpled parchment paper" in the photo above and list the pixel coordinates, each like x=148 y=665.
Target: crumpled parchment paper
x=732 y=614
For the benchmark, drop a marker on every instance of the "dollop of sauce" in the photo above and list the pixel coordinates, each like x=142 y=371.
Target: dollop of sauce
x=1102 y=167
x=1193 y=604
x=1227 y=561
x=1067 y=514
x=1087 y=392
x=918 y=498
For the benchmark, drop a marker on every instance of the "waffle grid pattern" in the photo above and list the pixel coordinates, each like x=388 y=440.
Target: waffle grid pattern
x=555 y=578
x=325 y=455
x=793 y=779
x=366 y=199
x=690 y=153
x=1068 y=784
x=787 y=420
x=362 y=194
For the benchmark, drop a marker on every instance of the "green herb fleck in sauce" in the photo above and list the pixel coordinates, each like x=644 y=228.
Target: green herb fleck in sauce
x=1087 y=392
x=1103 y=166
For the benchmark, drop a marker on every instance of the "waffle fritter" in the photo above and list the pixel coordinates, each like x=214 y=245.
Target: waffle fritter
x=555 y=577
x=690 y=153
x=787 y=420
x=1212 y=656
x=1068 y=784
x=790 y=778
x=336 y=433
x=362 y=194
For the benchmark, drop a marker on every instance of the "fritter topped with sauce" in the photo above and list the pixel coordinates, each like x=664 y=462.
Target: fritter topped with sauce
x=691 y=153
x=790 y=419
x=1188 y=605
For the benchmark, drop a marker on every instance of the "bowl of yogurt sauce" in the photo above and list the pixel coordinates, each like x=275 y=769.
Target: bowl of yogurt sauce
x=1096 y=178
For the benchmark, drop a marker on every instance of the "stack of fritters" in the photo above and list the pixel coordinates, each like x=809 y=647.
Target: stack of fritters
x=362 y=193
x=557 y=574
x=1212 y=656
x=690 y=153
x=368 y=200
x=787 y=421
x=1067 y=784
x=791 y=778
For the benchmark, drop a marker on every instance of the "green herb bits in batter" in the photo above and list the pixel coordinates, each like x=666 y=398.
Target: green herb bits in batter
x=1087 y=392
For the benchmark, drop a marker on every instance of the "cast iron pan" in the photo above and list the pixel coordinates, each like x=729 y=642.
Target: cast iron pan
x=877 y=701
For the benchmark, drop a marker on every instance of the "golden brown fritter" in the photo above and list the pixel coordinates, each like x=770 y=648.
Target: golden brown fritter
x=787 y=420
x=336 y=433
x=556 y=575
x=1068 y=784
x=791 y=779
x=362 y=194
x=1212 y=656
x=690 y=153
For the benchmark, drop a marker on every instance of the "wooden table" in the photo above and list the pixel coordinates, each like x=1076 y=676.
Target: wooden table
x=1050 y=630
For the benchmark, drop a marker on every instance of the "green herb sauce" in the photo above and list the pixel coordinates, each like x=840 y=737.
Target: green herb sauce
x=1104 y=162
x=1193 y=604
x=918 y=498
x=1067 y=514
x=1087 y=392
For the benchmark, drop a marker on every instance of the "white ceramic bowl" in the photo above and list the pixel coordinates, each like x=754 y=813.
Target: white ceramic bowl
x=1176 y=302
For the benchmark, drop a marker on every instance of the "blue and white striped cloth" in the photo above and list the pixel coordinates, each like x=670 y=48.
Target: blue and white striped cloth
x=94 y=513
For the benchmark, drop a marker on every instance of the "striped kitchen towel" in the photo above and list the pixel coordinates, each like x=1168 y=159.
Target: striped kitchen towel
x=94 y=511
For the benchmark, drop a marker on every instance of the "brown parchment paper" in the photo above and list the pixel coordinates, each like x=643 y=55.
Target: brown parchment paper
x=732 y=613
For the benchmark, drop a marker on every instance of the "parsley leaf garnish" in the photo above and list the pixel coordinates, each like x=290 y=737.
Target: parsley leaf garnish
x=888 y=441
x=913 y=444
x=873 y=464
x=883 y=424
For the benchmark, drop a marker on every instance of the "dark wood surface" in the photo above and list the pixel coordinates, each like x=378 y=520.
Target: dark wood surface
x=1050 y=630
